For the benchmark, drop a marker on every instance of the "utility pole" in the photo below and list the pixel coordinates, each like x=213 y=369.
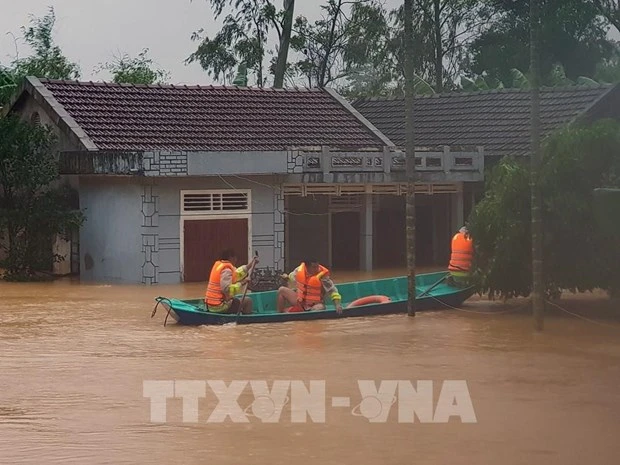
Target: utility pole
x=410 y=156
x=538 y=302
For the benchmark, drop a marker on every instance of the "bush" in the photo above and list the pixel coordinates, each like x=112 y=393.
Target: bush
x=31 y=211
x=578 y=254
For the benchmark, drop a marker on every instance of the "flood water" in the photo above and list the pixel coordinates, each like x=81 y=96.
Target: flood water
x=74 y=359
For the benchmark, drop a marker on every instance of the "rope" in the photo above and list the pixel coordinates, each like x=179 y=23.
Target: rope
x=160 y=300
x=503 y=312
x=582 y=317
x=477 y=312
x=525 y=305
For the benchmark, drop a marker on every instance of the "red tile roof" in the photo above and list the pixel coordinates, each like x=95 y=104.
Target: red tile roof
x=140 y=117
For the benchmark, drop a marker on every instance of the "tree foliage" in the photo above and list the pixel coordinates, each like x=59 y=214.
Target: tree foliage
x=46 y=60
x=242 y=39
x=610 y=9
x=32 y=212
x=356 y=46
x=138 y=70
x=578 y=256
x=573 y=34
x=519 y=80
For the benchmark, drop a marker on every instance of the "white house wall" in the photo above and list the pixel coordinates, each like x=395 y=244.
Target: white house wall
x=110 y=238
x=133 y=228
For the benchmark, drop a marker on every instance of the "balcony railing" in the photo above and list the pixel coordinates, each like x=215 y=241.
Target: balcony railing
x=390 y=160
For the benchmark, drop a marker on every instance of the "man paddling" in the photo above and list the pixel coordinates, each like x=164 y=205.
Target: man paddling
x=226 y=281
x=312 y=283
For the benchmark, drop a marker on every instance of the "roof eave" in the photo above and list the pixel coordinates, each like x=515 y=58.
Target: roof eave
x=591 y=108
x=371 y=127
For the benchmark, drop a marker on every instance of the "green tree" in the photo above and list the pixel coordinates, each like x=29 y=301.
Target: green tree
x=323 y=44
x=352 y=47
x=138 y=70
x=443 y=30
x=573 y=34
x=577 y=255
x=374 y=50
x=46 y=60
x=32 y=211
x=608 y=70
x=610 y=9
x=557 y=77
x=242 y=39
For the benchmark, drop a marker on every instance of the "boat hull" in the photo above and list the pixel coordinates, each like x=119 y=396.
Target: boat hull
x=192 y=312
x=194 y=316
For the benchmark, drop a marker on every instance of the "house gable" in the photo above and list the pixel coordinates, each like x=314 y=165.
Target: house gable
x=35 y=103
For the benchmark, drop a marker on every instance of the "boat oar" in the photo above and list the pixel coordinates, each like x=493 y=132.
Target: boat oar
x=435 y=285
x=250 y=271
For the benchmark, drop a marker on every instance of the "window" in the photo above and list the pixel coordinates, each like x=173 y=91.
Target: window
x=35 y=118
x=215 y=202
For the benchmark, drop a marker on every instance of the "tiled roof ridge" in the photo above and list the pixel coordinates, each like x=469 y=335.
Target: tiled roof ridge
x=178 y=86
x=510 y=90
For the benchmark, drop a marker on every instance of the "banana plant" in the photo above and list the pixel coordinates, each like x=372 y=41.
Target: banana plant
x=519 y=80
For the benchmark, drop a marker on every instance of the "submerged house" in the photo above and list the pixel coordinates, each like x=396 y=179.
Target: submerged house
x=168 y=176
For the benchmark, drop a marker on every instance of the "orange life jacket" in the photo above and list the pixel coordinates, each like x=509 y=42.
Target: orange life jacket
x=462 y=253
x=309 y=289
x=214 y=295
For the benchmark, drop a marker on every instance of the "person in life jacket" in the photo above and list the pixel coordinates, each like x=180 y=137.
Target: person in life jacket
x=226 y=281
x=462 y=255
x=312 y=282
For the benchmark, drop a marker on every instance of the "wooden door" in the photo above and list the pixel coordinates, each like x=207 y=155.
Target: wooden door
x=204 y=240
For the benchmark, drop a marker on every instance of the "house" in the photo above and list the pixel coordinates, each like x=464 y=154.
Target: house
x=170 y=175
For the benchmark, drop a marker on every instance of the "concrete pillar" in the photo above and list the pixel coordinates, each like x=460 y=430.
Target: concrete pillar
x=458 y=210
x=436 y=219
x=366 y=220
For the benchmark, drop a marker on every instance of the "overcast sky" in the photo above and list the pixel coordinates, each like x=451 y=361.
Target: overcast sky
x=93 y=31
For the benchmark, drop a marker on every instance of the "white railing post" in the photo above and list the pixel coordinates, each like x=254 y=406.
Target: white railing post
x=387 y=159
x=448 y=159
x=326 y=164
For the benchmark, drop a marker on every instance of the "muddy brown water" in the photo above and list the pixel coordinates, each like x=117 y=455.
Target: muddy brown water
x=74 y=359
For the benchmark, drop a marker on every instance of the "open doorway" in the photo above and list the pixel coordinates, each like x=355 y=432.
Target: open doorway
x=345 y=231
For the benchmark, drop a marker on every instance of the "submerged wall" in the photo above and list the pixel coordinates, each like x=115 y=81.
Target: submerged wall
x=133 y=229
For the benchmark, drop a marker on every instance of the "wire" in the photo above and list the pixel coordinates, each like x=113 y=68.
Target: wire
x=284 y=212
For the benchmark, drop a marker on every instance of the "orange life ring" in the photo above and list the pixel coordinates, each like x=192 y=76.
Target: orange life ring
x=371 y=299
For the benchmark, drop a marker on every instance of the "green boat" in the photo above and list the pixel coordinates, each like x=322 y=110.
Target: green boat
x=433 y=292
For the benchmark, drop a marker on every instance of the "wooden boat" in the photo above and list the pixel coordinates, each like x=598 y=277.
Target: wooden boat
x=433 y=292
